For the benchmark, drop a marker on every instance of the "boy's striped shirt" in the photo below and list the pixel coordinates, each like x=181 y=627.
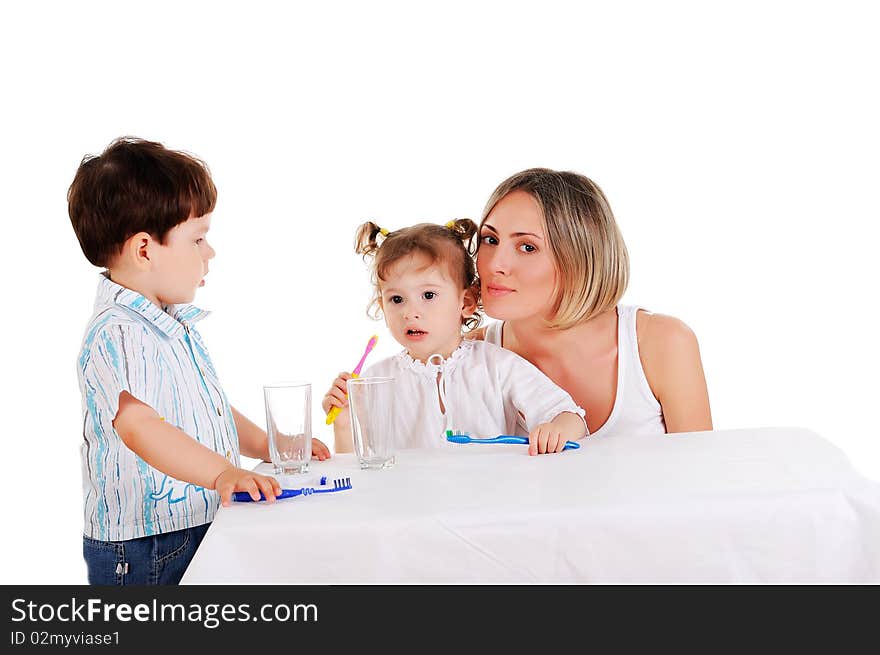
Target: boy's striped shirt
x=158 y=357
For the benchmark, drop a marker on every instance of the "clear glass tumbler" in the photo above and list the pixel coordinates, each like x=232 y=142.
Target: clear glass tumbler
x=289 y=425
x=370 y=402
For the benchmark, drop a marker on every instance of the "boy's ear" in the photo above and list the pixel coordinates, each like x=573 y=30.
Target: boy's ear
x=137 y=248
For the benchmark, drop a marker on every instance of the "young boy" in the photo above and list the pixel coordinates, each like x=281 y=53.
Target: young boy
x=161 y=441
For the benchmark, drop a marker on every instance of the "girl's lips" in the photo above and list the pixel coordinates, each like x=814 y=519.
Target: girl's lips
x=418 y=336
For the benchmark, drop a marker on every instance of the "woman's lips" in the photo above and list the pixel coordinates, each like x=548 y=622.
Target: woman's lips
x=498 y=291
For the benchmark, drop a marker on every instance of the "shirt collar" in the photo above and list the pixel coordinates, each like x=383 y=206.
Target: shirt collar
x=436 y=363
x=171 y=320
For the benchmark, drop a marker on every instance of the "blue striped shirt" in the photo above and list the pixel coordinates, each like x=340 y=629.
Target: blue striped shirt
x=158 y=357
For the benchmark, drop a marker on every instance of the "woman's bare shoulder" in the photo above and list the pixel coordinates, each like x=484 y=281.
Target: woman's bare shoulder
x=661 y=332
x=668 y=350
x=670 y=357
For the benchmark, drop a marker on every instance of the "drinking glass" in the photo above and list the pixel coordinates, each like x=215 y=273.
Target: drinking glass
x=289 y=425
x=370 y=402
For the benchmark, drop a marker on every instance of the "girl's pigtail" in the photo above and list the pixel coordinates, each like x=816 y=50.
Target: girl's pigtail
x=465 y=229
x=366 y=240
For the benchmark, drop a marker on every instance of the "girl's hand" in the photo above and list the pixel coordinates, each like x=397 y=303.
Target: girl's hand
x=336 y=397
x=320 y=450
x=236 y=479
x=546 y=438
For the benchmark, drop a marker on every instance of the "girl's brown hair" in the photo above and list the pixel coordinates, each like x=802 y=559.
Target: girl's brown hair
x=453 y=244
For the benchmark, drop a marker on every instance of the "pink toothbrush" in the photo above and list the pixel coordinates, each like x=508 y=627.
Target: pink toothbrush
x=334 y=411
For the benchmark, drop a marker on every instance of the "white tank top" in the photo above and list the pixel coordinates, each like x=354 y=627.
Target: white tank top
x=636 y=410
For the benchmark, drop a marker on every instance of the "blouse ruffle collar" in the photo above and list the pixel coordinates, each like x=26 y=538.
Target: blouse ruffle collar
x=431 y=367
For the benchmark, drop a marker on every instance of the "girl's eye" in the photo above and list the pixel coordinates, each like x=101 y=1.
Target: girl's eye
x=396 y=299
x=429 y=295
x=489 y=240
x=527 y=247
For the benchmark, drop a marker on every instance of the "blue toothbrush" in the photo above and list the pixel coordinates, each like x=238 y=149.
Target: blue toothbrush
x=339 y=484
x=501 y=438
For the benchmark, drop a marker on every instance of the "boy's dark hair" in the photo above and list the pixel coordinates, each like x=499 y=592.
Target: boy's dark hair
x=135 y=186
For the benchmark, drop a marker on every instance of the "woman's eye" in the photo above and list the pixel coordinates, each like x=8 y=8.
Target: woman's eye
x=489 y=240
x=429 y=295
x=527 y=247
x=199 y=240
x=396 y=299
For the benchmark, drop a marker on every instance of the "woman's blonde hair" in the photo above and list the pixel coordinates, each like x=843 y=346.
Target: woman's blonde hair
x=591 y=259
x=453 y=244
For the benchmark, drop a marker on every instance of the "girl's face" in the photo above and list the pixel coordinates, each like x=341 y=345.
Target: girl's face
x=423 y=306
x=517 y=271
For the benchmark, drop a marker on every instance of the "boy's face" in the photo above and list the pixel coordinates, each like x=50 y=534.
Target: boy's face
x=423 y=306
x=180 y=266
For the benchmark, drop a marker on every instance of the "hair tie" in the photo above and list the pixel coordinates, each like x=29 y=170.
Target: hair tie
x=383 y=231
x=450 y=224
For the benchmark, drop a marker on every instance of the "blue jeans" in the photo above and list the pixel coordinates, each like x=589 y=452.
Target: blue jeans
x=154 y=560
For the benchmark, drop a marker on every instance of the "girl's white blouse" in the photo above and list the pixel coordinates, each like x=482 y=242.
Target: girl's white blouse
x=485 y=389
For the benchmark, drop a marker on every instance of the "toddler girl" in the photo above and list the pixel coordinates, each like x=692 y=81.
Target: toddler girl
x=426 y=288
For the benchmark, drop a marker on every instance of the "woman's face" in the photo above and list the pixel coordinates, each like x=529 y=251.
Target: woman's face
x=517 y=271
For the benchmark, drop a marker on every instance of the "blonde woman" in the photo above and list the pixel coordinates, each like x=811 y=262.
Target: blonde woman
x=553 y=268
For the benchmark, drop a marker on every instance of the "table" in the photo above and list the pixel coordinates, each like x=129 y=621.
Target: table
x=768 y=505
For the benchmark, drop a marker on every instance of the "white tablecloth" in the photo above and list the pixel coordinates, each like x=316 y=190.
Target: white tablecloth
x=778 y=505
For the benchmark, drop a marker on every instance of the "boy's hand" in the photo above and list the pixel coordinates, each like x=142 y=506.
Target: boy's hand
x=320 y=450
x=236 y=479
x=546 y=438
x=336 y=397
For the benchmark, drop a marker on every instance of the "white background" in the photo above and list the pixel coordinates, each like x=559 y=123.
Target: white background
x=738 y=146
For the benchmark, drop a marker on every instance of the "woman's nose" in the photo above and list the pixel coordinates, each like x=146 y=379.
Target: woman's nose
x=492 y=261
